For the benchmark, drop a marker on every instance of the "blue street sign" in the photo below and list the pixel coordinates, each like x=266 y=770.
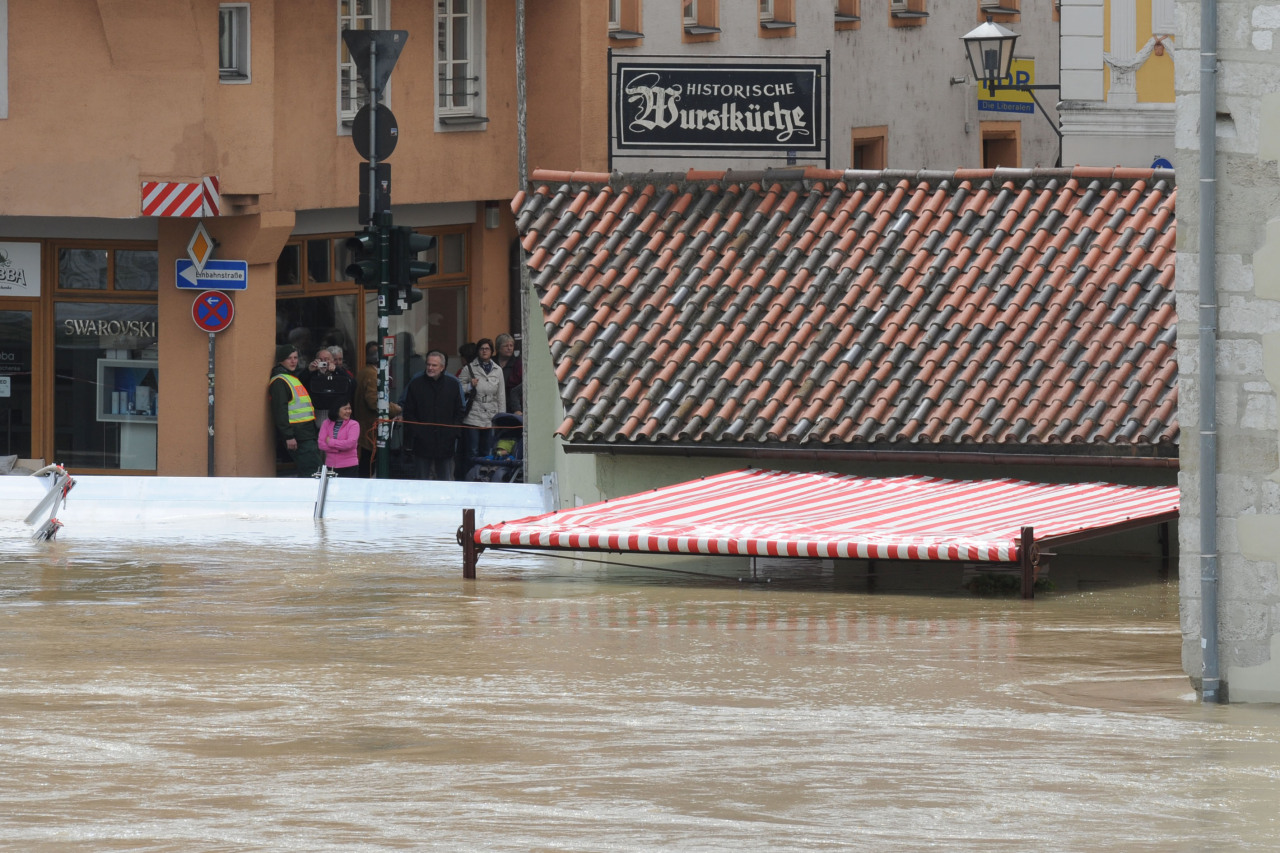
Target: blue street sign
x=216 y=275
x=212 y=311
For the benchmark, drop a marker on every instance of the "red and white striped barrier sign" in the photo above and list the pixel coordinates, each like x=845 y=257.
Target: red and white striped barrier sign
x=181 y=198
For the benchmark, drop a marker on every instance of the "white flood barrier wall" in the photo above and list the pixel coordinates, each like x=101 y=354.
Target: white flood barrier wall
x=110 y=499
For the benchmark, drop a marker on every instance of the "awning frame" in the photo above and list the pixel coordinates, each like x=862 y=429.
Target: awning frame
x=1025 y=553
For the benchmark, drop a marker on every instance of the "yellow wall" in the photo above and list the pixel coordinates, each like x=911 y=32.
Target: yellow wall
x=1154 y=80
x=1155 y=77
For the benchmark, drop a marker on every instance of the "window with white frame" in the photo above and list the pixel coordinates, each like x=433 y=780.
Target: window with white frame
x=766 y=10
x=355 y=15
x=690 y=13
x=459 y=61
x=233 y=42
x=615 y=15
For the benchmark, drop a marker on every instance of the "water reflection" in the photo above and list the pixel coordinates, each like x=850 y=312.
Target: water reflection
x=273 y=686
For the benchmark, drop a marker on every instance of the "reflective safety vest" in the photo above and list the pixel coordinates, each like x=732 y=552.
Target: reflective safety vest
x=300 y=410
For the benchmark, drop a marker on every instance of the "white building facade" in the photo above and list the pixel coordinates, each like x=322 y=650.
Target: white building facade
x=902 y=95
x=1118 y=82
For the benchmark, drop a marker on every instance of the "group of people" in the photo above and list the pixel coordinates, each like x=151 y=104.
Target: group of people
x=446 y=417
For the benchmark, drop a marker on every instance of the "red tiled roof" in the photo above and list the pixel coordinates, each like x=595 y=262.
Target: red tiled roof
x=806 y=308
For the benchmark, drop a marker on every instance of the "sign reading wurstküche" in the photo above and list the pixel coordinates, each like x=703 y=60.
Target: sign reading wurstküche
x=677 y=106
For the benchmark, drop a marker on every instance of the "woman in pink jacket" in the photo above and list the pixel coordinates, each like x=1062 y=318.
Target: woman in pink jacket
x=339 y=435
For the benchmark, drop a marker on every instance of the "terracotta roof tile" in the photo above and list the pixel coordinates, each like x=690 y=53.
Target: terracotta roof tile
x=859 y=309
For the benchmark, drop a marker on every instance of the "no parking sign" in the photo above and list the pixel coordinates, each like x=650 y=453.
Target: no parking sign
x=212 y=311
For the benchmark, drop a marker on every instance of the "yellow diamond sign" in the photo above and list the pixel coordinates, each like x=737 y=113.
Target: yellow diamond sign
x=200 y=247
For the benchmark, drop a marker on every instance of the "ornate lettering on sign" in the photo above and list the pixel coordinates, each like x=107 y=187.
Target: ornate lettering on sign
x=11 y=273
x=730 y=107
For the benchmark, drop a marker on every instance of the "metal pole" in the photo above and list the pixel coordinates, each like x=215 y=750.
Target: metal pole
x=212 y=337
x=1026 y=558
x=1210 y=681
x=469 y=553
x=522 y=131
x=608 y=142
x=383 y=223
x=521 y=99
x=827 y=93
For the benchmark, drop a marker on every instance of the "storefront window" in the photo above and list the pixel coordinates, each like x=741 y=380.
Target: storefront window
x=318 y=260
x=82 y=269
x=312 y=322
x=438 y=321
x=137 y=270
x=453 y=254
x=106 y=385
x=15 y=383
x=288 y=265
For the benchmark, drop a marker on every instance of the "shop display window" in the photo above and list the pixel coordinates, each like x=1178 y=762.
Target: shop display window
x=137 y=269
x=107 y=269
x=310 y=323
x=82 y=269
x=106 y=385
x=438 y=321
x=16 y=415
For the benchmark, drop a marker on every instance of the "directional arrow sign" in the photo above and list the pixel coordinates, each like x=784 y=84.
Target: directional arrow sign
x=212 y=311
x=216 y=275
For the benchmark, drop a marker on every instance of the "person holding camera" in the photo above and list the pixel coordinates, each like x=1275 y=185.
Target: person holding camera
x=328 y=386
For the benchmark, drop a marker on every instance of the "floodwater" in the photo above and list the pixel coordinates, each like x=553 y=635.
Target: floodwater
x=283 y=686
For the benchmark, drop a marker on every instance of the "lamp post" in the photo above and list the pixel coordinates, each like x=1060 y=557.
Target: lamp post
x=989 y=47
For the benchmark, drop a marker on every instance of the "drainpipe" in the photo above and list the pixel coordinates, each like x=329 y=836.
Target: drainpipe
x=1210 y=679
x=522 y=168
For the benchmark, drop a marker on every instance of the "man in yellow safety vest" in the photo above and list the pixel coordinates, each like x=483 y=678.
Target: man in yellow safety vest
x=292 y=413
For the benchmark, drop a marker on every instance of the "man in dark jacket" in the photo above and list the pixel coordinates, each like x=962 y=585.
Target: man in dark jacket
x=432 y=407
x=328 y=386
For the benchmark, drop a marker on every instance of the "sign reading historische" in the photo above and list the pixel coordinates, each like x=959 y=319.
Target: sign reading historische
x=739 y=106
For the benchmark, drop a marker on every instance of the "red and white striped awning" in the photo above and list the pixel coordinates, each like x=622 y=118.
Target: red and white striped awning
x=793 y=514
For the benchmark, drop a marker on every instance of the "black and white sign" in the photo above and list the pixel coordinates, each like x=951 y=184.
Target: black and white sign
x=739 y=106
x=19 y=269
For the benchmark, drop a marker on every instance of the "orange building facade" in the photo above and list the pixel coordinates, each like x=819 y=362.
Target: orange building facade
x=108 y=106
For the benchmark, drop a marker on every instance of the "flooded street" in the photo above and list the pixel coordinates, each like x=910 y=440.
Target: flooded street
x=277 y=686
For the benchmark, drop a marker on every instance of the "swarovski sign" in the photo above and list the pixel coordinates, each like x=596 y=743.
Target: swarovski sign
x=722 y=106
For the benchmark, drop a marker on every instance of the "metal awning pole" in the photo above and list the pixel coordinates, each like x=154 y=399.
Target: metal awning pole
x=467 y=537
x=1026 y=558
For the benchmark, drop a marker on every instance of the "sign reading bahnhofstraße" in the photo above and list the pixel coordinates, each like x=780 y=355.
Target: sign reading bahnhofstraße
x=738 y=106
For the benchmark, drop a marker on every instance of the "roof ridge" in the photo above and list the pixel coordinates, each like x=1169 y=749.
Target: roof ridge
x=999 y=174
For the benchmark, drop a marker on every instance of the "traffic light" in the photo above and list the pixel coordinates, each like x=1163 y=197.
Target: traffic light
x=406 y=265
x=406 y=246
x=366 y=263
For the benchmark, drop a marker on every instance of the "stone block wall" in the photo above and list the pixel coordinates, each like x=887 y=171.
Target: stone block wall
x=1247 y=283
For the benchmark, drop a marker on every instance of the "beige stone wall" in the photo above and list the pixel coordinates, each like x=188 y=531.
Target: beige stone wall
x=1248 y=354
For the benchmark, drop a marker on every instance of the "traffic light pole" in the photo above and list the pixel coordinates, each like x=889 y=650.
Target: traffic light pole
x=374 y=245
x=381 y=224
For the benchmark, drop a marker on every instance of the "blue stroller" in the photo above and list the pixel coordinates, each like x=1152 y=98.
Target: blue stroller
x=505 y=462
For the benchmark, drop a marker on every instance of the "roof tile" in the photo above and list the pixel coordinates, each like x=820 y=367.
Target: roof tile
x=859 y=309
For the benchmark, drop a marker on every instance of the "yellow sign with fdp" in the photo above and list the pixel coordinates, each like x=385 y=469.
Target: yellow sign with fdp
x=1022 y=72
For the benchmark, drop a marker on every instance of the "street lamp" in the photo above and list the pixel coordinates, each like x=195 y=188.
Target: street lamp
x=990 y=50
x=989 y=47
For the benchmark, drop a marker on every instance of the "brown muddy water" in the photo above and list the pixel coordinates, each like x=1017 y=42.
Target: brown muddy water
x=247 y=685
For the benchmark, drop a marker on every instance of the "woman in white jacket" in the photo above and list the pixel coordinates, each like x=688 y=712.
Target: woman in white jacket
x=486 y=395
